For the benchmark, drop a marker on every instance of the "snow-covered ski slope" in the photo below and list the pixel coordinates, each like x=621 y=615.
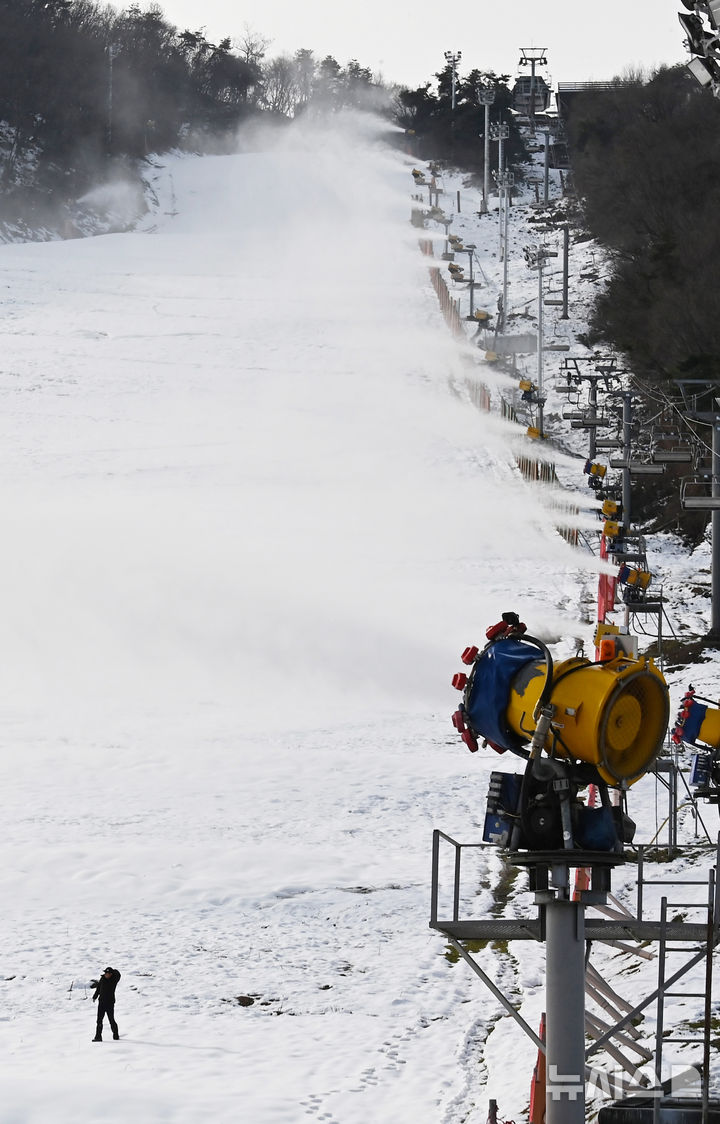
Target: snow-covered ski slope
x=250 y=519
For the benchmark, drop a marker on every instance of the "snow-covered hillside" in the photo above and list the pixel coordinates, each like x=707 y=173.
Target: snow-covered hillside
x=251 y=519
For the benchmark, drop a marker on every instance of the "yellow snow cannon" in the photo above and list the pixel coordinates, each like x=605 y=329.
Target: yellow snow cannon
x=611 y=715
x=697 y=722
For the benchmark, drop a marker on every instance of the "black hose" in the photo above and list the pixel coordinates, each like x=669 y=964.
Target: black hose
x=548 y=684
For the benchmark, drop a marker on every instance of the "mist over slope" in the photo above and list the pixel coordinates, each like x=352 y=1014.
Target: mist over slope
x=251 y=518
x=236 y=448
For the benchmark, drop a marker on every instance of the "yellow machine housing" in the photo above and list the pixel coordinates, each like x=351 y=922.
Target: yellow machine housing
x=611 y=715
x=709 y=732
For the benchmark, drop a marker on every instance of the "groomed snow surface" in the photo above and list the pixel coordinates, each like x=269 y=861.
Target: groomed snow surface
x=251 y=518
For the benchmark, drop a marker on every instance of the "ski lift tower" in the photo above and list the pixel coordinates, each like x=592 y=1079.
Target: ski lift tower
x=533 y=57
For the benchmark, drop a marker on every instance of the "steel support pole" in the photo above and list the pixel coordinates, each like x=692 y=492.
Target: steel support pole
x=486 y=160
x=112 y=50
x=715 y=533
x=708 y=998
x=546 y=169
x=501 y=228
x=472 y=283
x=661 y=988
x=506 y=221
x=592 y=411
x=565 y=1010
x=627 y=448
x=566 y=271
x=532 y=98
x=540 y=347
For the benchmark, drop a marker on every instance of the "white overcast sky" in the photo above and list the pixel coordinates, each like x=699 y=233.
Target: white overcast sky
x=585 y=39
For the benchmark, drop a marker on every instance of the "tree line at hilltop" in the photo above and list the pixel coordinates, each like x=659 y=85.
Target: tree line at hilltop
x=646 y=166
x=83 y=84
x=645 y=159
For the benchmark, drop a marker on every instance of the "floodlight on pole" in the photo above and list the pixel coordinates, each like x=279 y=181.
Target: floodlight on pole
x=500 y=133
x=112 y=53
x=486 y=96
x=709 y=8
x=536 y=257
x=701 y=71
x=452 y=58
x=697 y=37
x=703 y=44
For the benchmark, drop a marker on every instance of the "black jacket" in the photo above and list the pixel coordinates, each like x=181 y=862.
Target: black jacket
x=105 y=989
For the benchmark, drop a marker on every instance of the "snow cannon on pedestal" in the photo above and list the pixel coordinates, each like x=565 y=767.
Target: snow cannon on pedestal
x=698 y=722
x=576 y=723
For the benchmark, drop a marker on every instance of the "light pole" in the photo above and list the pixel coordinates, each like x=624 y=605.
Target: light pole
x=505 y=184
x=452 y=59
x=486 y=97
x=112 y=53
x=500 y=133
x=532 y=57
x=703 y=44
x=535 y=257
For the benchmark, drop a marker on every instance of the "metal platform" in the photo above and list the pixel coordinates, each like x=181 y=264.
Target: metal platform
x=644 y=606
x=596 y=929
x=670 y=1110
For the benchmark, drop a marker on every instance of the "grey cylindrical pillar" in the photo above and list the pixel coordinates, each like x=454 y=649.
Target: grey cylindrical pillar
x=566 y=271
x=715 y=535
x=546 y=169
x=565 y=1012
x=505 y=220
x=627 y=448
x=592 y=433
x=486 y=160
x=540 y=345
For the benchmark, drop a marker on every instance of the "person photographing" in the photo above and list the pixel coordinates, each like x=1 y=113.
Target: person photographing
x=105 y=997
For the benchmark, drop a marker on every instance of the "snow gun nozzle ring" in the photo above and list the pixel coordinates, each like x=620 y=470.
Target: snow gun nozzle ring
x=510 y=625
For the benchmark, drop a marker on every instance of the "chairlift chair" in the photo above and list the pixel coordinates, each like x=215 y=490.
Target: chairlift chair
x=598 y=422
x=672 y=456
x=609 y=443
x=696 y=494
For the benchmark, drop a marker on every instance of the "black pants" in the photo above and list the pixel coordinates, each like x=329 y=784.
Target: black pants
x=105 y=1008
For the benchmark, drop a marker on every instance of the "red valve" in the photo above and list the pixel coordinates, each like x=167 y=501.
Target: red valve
x=470 y=741
x=459 y=681
x=470 y=655
x=458 y=721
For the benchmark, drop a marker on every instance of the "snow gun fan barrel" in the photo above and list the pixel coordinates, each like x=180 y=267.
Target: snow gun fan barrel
x=611 y=715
